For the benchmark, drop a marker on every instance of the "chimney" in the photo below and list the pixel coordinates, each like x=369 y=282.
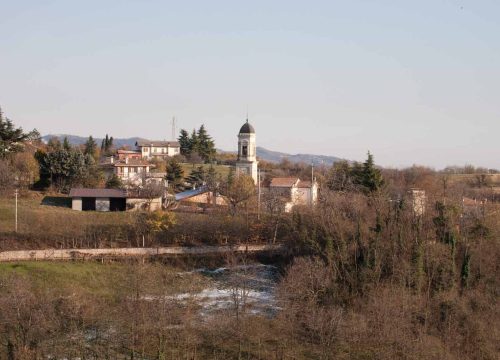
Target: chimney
x=126 y=160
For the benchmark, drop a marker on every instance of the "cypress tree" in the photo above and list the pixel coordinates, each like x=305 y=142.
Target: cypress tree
x=66 y=145
x=107 y=145
x=465 y=273
x=90 y=147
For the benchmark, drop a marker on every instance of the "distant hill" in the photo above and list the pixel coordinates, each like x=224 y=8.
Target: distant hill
x=276 y=157
x=79 y=140
x=262 y=153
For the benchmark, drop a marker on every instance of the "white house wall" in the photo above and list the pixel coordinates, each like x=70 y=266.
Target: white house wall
x=76 y=203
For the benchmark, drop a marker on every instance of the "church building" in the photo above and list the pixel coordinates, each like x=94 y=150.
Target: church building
x=247 y=163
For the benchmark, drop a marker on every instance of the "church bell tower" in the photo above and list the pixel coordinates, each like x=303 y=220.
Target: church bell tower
x=247 y=152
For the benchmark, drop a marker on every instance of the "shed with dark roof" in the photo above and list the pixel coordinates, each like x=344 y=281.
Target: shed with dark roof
x=98 y=199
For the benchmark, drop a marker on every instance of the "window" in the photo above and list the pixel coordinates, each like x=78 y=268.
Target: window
x=244 y=150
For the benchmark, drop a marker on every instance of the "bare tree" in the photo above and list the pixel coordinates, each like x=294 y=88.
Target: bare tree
x=238 y=191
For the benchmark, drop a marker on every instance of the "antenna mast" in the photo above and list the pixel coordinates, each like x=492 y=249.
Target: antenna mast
x=174 y=130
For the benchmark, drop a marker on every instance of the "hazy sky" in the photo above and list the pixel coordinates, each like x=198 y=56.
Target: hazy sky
x=414 y=82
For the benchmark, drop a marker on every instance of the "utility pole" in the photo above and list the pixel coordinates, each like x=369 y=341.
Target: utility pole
x=16 y=193
x=312 y=183
x=259 y=195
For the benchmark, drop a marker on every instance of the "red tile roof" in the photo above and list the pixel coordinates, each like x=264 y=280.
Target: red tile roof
x=130 y=162
x=128 y=152
x=157 y=143
x=284 y=182
x=304 y=184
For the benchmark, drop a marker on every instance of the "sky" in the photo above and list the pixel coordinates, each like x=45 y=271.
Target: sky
x=414 y=82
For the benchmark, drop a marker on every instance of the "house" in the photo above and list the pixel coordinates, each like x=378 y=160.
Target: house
x=158 y=149
x=130 y=154
x=418 y=201
x=294 y=191
x=105 y=200
x=130 y=170
x=473 y=207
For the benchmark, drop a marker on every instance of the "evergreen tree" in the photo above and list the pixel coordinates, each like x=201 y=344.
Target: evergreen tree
x=185 y=143
x=90 y=147
x=371 y=177
x=114 y=182
x=104 y=143
x=199 y=146
x=465 y=273
x=230 y=176
x=63 y=168
x=175 y=175
x=206 y=146
x=10 y=137
x=93 y=175
x=66 y=144
x=340 y=177
x=34 y=136
x=197 y=177
x=195 y=144
x=107 y=146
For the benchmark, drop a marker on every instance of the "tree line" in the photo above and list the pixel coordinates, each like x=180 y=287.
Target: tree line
x=198 y=145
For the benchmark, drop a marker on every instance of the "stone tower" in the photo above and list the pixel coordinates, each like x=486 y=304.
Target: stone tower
x=247 y=152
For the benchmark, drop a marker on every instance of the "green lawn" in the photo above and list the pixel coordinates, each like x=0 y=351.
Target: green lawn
x=222 y=170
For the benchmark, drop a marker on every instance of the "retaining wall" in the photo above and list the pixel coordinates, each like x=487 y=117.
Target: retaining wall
x=73 y=254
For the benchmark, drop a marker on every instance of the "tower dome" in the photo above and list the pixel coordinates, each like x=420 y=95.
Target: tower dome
x=247 y=128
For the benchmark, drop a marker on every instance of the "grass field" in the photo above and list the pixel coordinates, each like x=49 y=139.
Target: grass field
x=34 y=216
x=42 y=226
x=106 y=280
